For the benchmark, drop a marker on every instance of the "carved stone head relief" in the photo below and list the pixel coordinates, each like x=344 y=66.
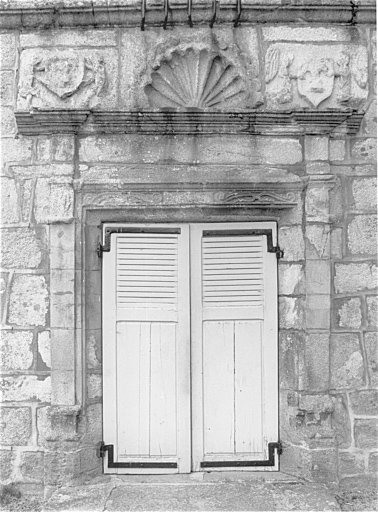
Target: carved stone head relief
x=196 y=79
x=315 y=80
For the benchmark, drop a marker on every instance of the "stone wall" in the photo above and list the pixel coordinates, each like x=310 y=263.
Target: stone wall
x=58 y=187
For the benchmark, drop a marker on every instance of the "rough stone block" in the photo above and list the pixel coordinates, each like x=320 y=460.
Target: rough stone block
x=337 y=247
x=365 y=193
x=373 y=462
x=93 y=299
x=321 y=34
x=8 y=50
x=341 y=422
x=93 y=417
x=53 y=201
x=63 y=349
x=292 y=243
x=347 y=366
x=364 y=149
x=28 y=302
x=16 y=350
x=16 y=150
x=7 y=459
x=316 y=369
x=31 y=466
x=6 y=88
x=317 y=204
x=362 y=234
x=69 y=37
x=369 y=123
x=63 y=148
x=318 y=167
x=16 y=427
x=318 y=241
x=62 y=283
x=318 y=311
x=63 y=387
x=364 y=402
x=291 y=313
x=371 y=347
x=291 y=279
x=291 y=358
x=9 y=201
x=93 y=349
x=318 y=277
x=372 y=310
x=94 y=386
x=59 y=173
x=7 y=122
x=324 y=466
x=89 y=461
x=44 y=431
x=359 y=483
x=365 y=170
x=352 y=277
x=21 y=248
x=24 y=388
x=348 y=313
x=366 y=433
x=44 y=150
x=351 y=463
x=316 y=148
x=62 y=246
x=337 y=149
x=44 y=350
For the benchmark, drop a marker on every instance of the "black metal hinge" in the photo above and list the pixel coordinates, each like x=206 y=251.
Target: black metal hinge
x=130 y=465
x=247 y=463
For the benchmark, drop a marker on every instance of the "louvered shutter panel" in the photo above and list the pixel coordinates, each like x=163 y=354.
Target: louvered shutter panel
x=150 y=346
x=234 y=309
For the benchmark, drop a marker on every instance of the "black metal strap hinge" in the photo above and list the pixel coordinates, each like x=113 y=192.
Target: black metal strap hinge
x=130 y=465
x=247 y=463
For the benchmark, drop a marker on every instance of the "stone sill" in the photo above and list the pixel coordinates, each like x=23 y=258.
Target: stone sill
x=31 y=14
x=45 y=122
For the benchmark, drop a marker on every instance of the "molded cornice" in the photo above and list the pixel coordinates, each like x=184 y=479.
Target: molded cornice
x=28 y=14
x=40 y=122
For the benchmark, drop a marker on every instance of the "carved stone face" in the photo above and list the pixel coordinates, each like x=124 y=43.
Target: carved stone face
x=316 y=79
x=62 y=75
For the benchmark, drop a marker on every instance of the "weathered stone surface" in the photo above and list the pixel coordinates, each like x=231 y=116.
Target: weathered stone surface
x=291 y=358
x=316 y=367
x=21 y=248
x=366 y=433
x=63 y=148
x=351 y=463
x=369 y=123
x=292 y=243
x=365 y=193
x=25 y=387
x=28 y=301
x=318 y=277
x=364 y=402
x=44 y=170
x=94 y=386
x=372 y=310
x=8 y=51
x=6 y=88
x=6 y=464
x=189 y=149
x=371 y=347
x=373 y=462
x=337 y=247
x=53 y=201
x=341 y=422
x=337 y=150
x=291 y=279
x=31 y=466
x=68 y=37
x=348 y=313
x=318 y=241
x=318 y=311
x=347 y=368
x=63 y=387
x=93 y=349
x=318 y=167
x=365 y=170
x=62 y=284
x=362 y=234
x=44 y=150
x=285 y=33
x=16 y=350
x=364 y=149
x=44 y=348
x=63 y=349
x=93 y=429
x=16 y=150
x=9 y=201
x=68 y=78
x=352 y=277
x=26 y=200
x=317 y=203
x=16 y=426
x=291 y=313
x=44 y=431
x=62 y=246
x=316 y=148
x=7 y=122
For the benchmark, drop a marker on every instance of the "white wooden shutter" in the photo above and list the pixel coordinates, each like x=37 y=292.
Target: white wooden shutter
x=146 y=349
x=234 y=312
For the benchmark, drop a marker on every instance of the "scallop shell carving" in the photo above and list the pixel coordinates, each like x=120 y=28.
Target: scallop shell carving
x=198 y=80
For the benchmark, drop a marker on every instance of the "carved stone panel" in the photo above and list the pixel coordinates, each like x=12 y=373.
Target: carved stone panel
x=67 y=79
x=315 y=76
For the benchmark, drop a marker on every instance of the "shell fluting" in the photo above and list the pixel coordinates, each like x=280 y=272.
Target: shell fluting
x=196 y=79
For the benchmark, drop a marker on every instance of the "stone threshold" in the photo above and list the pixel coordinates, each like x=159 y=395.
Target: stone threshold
x=254 y=122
